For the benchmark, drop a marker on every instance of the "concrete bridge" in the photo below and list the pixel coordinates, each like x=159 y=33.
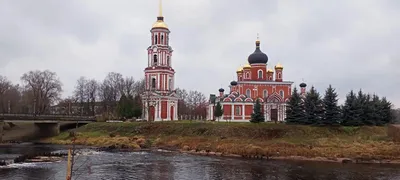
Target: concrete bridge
x=45 y=125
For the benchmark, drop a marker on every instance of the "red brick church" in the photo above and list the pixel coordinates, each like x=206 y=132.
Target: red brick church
x=254 y=81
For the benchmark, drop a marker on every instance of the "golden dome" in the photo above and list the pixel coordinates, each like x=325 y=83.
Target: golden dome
x=270 y=70
x=240 y=69
x=279 y=66
x=247 y=66
x=160 y=24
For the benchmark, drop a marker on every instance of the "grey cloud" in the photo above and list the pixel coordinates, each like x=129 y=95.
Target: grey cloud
x=349 y=44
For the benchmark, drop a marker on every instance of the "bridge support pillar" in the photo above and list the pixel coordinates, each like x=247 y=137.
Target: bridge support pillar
x=1 y=130
x=47 y=129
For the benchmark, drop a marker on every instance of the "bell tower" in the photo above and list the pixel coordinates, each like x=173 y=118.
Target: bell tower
x=160 y=102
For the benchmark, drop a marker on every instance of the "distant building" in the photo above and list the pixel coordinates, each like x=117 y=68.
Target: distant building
x=254 y=81
x=160 y=101
x=77 y=108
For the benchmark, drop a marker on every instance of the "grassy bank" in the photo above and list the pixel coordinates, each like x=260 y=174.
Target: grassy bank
x=243 y=139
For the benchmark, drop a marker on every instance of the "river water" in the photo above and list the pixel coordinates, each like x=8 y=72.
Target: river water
x=92 y=165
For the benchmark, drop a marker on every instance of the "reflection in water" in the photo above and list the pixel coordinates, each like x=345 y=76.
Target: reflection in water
x=157 y=165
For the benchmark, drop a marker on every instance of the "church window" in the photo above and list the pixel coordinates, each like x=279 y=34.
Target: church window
x=153 y=83
x=248 y=93
x=270 y=78
x=162 y=39
x=155 y=59
x=155 y=39
x=168 y=59
x=279 y=76
x=265 y=93
x=247 y=75
x=238 y=111
x=260 y=74
x=281 y=93
x=170 y=84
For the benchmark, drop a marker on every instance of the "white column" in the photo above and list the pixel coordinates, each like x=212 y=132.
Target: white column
x=232 y=112
x=265 y=111
x=159 y=81
x=176 y=110
x=243 y=112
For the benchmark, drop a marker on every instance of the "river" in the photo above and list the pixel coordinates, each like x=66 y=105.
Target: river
x=92 y=165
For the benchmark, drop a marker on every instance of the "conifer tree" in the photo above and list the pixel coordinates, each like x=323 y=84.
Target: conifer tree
x=137 y=106
x=350 y=115
x=376 y=111
x=332 y=111
x=125 y=107
x=257 y=116
x=218 y=112
x=294 y=109
x=313 y=106
x=386 y=111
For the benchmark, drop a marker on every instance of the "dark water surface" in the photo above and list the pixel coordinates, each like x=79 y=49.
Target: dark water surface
x=93 y=165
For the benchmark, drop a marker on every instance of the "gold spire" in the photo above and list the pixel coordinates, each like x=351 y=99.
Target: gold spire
x=160 y=19
x=247 y=66
x=240 y=69
x=258 y=38
x=270 y=70
x=160 y=10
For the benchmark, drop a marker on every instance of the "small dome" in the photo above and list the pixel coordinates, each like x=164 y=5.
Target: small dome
x=270 y=70
x=240 y=69
x=279 y=66
x=160 y=24
x=234 y=83
x=221 y=90
x=303 y=85
x=246 y=66
x=258 y=57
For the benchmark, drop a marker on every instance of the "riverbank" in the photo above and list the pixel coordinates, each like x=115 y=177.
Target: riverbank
x=267 y=141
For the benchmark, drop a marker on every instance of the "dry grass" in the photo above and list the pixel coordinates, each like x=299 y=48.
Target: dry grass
x=246 y=139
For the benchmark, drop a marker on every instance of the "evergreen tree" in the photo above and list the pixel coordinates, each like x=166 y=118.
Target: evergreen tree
x=125 y=107
x=386 y=111
x=257 y=116
x=218 y=112
x=350 y=115
x=332 y=111
x=294 y=109
x=376 y=111
x=137 y=106
x=313 y=107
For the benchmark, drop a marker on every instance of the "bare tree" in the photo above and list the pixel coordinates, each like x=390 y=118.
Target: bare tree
x=80 y=93
x=45 y=86
x=92 y=87
x=5 y=85
x=128 y=86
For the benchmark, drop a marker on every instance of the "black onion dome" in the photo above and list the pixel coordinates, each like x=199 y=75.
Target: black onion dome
x=258 y=56
x=303 y=85
x=221 y=90
x=234 y=83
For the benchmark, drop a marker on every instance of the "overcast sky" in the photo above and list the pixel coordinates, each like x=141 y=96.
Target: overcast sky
x=349 y=44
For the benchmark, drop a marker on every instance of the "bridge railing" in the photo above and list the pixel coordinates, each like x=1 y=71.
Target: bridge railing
x=46 y=117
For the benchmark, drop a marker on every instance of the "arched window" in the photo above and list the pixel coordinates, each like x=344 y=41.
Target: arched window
x=155 y=41
x=247 y=75
x=238 y=111
x=265 y=93
x=155 y=60
x=170 y=84
x=162 y=39
x=279 y=76
x=270 y=78
x=260 y=74
x=248 y=93
x=168 y=61
x=153 y=83
x=281 y=93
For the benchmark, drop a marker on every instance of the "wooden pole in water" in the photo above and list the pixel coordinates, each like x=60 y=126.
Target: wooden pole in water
x=69 y=165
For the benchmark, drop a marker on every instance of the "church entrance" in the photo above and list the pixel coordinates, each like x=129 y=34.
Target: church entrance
x=171 y=112
x=152 y=113
x=274 y=115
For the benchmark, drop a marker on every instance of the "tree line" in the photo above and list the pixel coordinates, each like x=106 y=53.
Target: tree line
x=114 y=96
x=359 y=109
